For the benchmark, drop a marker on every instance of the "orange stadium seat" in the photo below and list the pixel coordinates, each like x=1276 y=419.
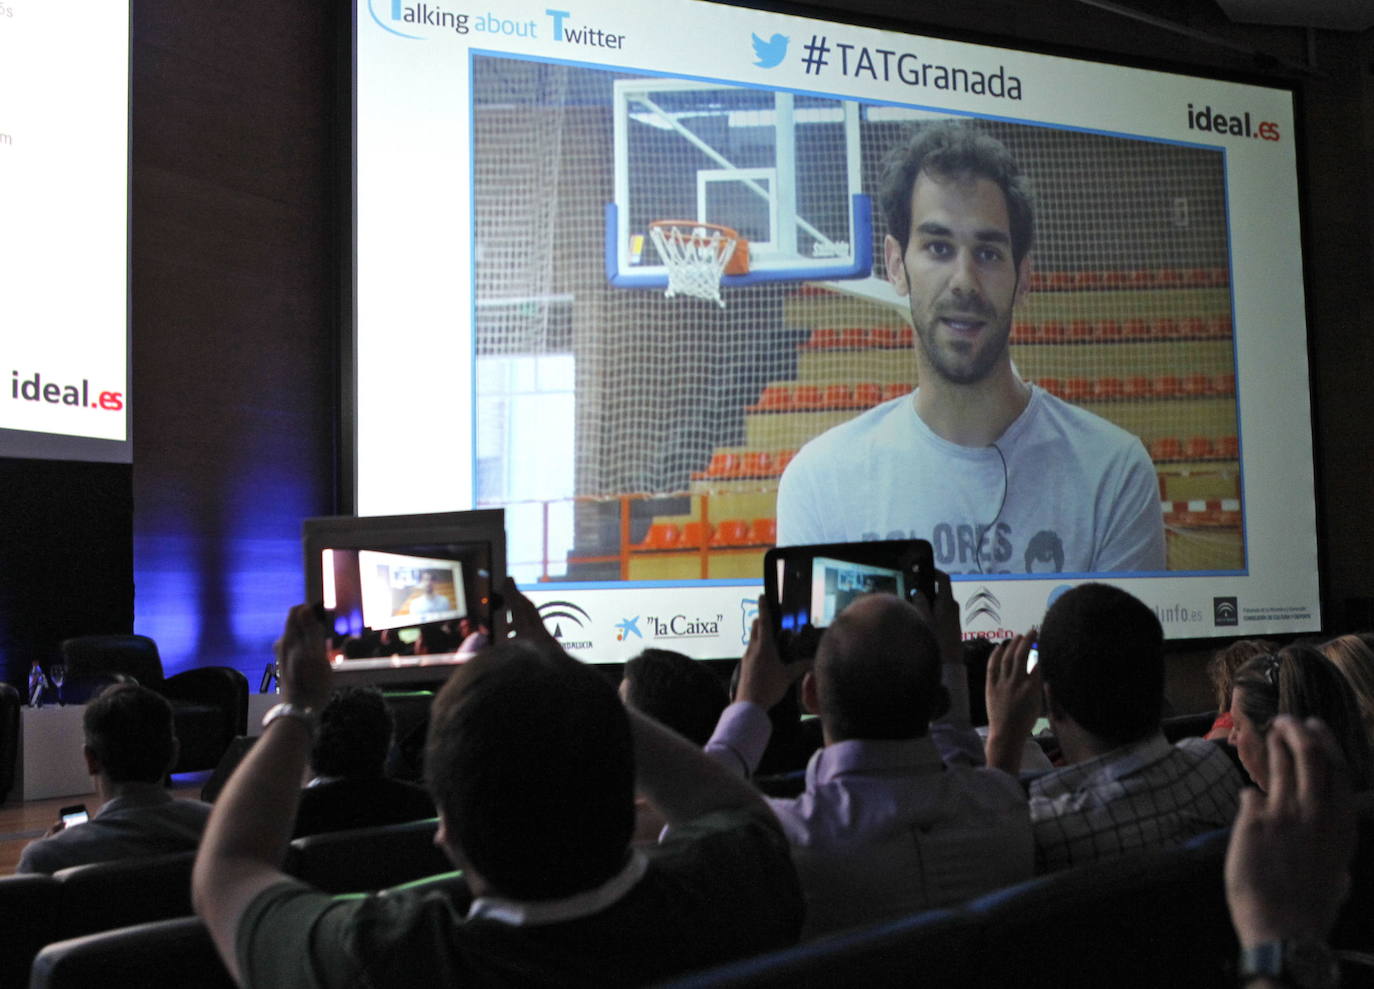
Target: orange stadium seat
x=1195 y=326
x=1108 y=329
x=1200 y=448
x=1088 y=280
x=782 y=458
x=838 y=397
x=1142 y=277
x=1218 y=277
x=731 y=532
x=1052 y=385
x=867 y=393
x=1114 y=278
x=1052 y=331
x=1106 y=388
x=764 y=531
x=1220 y=326
x=1023 y=332
x=1198 y=278
x=823 y=339
x=895 y=389
x=1082 y=330
x=882 y=336
x=1136 y=386
x=854 y=338
x=1165 y=386
x=1170 y=277
x=806 y=397
x=696 y=534
x=758 y=463
x=1077 y=390
x=775 y=398
x=1195 y=384
x=1166 y=448
x=1039 y=281
x=1165 y=328
x=1228 y=447
x=661 y=535
x=1062 y=281
x=905 y=336
x=1137 y=328
x=722 y=465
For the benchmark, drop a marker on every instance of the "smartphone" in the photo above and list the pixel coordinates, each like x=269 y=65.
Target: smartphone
x=807 y=586
x=73 y=815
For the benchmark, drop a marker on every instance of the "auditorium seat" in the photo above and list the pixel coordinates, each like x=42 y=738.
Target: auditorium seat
x=164 y=954
x=209 y=703
x=1136 y=386
x=28 y=909
x=1109 y=330
x=895 y=389
x=867 y=394
x=696 y=534
x=775 y=398
x=105 y=895
x=661 y=535
x=367 y=858
x=764 y=532
x=757 y=463
x=807 y=397
x=838 y=397
x=823 y=338
x=731 y=532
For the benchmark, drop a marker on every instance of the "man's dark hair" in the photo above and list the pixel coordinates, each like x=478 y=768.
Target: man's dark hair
x=530 y=761
x=129 y=730
x=355 y=735
x=1102 y=654
x=956 y=151
x=878 y=672
x=676 y=691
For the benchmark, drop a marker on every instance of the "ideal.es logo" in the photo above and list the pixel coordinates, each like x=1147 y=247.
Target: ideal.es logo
x=627 y=627
x=770 y=53
x=1217 y=122
x=35 y=389
x=565 y=612
x=1225 y=612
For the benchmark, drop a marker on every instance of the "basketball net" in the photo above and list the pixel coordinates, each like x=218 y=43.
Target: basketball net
x=696 y=255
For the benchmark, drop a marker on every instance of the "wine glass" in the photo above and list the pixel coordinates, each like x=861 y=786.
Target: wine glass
x=58 y=674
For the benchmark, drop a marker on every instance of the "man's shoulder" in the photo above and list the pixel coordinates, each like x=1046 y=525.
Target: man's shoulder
x=870 y=424
x=1079 y=425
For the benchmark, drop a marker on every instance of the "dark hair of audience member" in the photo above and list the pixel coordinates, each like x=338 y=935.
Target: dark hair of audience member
x=1102 y=656
x=1300 y=681
x=129 y=729
x=530 y=761
x=977 y=651
x=354 y=736
x=1354 y=658
x=1224 y=663
x=675 y=691
x=878 y=672
x=959 y=152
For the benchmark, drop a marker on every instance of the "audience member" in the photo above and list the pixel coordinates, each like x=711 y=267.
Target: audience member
x=130 y=746
x=886 y=825
x=533 y=763
x=1300 y=681
x=1355 y=658
x=675 y=691
x=1220 y=669
x=1125 y=787
x=1288 y=864
x=350 y=788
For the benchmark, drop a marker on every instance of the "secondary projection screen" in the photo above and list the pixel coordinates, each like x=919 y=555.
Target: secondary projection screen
x=515 y=346
x=64 y=229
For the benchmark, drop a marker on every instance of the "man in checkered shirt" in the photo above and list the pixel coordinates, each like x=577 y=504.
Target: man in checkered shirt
x=1125 y=787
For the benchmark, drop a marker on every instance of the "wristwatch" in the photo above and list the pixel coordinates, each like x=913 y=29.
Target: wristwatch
x=308 y=716
x=1302 y=964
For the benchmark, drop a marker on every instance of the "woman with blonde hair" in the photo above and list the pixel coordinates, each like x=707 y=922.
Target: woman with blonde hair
x=1221 y=668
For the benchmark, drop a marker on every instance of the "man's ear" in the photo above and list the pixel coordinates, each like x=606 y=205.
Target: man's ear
x=809 y=698
x=895 y=264
x=93 y=766
x=1052 y=708
x=1023 y=280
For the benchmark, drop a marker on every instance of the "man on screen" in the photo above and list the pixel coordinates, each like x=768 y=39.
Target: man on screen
x=998 y=474
x=429 y=601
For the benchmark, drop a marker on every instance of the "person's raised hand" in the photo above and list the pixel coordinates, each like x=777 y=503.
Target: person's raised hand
x=1013 y=701
x=1288 y=863
x=304 y=673
x=526 y=623
x=763 y=677
x=942 y=615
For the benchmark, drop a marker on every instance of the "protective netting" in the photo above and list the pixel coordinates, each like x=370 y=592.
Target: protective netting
x=696 y=256
x=676 y=398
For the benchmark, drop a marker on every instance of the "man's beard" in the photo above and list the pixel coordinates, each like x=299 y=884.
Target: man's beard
x=948 y=361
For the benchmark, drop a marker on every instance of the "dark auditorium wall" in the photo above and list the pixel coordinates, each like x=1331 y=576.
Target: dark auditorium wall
x=234 y=317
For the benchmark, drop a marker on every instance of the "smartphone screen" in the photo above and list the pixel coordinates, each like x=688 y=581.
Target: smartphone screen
x=72 y=816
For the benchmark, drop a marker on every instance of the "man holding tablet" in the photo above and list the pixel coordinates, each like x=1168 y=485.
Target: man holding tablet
x=998 y=474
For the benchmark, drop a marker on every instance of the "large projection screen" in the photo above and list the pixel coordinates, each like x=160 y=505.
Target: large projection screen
x=515 y=346
x=64 y=229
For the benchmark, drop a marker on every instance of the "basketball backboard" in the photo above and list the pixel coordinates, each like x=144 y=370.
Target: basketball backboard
x=780 y=168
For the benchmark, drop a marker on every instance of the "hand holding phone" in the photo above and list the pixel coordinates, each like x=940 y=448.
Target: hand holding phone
x=73 y=815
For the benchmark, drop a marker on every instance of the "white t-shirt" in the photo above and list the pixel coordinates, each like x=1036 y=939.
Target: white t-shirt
x=1061 y=491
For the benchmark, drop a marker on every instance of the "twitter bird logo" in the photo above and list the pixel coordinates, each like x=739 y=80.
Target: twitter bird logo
x=770 y=53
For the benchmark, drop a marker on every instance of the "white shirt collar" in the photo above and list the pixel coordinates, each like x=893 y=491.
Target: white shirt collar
x=536 y=913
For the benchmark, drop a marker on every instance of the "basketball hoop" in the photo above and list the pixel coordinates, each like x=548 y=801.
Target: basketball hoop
x=697 y=254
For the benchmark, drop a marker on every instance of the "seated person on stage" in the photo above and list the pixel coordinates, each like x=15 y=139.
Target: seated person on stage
x=129 y=748
x=1125 y=788
x=350 y=788
x=533 y=763
x=893 y=818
